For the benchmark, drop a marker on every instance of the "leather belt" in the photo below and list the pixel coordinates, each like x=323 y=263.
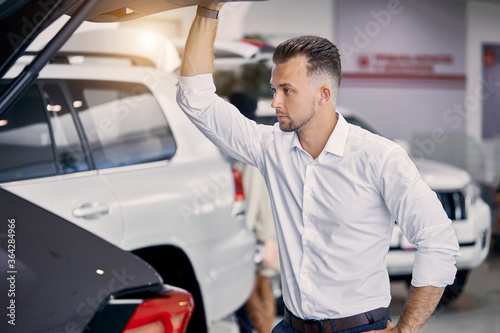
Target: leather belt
x=325 y=325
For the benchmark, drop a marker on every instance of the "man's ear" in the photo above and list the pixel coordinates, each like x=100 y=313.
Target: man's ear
x=325 y=94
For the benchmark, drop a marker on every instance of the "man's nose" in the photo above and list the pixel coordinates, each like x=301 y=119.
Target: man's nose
x=276 y=102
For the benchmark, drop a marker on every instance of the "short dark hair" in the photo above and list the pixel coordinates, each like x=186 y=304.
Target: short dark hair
x=322 y=55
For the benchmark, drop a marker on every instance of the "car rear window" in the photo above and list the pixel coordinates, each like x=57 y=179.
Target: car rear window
x=123 y=123
x=25 y=140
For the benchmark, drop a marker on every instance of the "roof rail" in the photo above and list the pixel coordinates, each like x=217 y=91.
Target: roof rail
x=143 y=47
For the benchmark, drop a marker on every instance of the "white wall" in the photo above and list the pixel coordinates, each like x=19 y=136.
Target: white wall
x=403 y=107
x=425 y=27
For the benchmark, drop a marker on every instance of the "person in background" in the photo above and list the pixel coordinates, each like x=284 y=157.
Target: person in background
x=260 y=306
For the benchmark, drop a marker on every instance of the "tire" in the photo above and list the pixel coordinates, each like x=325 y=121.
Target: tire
x=175 y=269
x=452 y=292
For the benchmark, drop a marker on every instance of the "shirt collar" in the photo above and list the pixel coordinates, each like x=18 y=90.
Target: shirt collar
x=337 y=141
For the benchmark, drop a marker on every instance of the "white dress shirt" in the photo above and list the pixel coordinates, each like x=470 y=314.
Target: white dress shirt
x=334 y=214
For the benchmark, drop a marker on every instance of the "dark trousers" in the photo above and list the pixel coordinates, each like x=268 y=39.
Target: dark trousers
x=283 y=327
x=244 y=322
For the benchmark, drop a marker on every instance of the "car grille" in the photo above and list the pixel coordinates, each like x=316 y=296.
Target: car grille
x=454 y=204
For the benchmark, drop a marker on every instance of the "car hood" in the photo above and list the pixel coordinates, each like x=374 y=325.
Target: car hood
x=440 y=176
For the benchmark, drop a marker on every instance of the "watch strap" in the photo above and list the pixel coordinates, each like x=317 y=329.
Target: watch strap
x=210 y=13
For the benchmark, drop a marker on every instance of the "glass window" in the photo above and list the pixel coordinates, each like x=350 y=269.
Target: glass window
x=123 y=123
x=70 y=156
x=25 y=141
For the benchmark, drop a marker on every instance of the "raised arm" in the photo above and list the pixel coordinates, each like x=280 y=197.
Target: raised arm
x=198 y=52
x=216 y=118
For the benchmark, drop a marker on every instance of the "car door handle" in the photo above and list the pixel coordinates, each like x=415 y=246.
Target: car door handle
x=91 y=210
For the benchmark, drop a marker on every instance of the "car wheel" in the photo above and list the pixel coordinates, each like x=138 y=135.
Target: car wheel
x=175 y=269
x=452 y=292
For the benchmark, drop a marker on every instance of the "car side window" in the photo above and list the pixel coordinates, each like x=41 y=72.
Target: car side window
x=70 y=156
x=25 y=140
x=123 y=122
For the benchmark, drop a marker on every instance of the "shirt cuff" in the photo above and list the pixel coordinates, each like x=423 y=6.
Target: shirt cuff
x=190 y=82
x=432 y=270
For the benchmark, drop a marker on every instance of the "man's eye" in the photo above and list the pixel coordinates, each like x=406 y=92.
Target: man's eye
x=287 y=91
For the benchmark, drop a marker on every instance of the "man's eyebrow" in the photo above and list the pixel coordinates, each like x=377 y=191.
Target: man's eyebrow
x=281 y=85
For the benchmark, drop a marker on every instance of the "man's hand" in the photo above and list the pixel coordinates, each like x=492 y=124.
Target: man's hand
x=390 y=328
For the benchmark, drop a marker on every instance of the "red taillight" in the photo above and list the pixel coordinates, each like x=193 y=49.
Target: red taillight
x=168 y=313
x=239 y=192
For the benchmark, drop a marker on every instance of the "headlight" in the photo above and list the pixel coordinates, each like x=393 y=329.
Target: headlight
x=472 y=192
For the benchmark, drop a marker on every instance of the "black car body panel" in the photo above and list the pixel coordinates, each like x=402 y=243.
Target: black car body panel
x=56 y=275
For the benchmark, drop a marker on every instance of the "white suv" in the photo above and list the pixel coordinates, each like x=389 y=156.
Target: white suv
x=99 y=139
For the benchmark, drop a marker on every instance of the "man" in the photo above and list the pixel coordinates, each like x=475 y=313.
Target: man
x=336 y=190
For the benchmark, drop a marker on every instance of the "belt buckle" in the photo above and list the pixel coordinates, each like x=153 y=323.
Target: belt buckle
x=309 y=326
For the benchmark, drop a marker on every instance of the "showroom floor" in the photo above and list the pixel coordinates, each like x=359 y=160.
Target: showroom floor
x=477 y=310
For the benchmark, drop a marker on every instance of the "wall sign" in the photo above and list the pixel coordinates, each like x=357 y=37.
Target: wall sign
x=402 y=42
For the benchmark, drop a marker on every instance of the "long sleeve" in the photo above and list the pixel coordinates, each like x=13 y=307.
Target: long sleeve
x=422 y=219
x=221 y=122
